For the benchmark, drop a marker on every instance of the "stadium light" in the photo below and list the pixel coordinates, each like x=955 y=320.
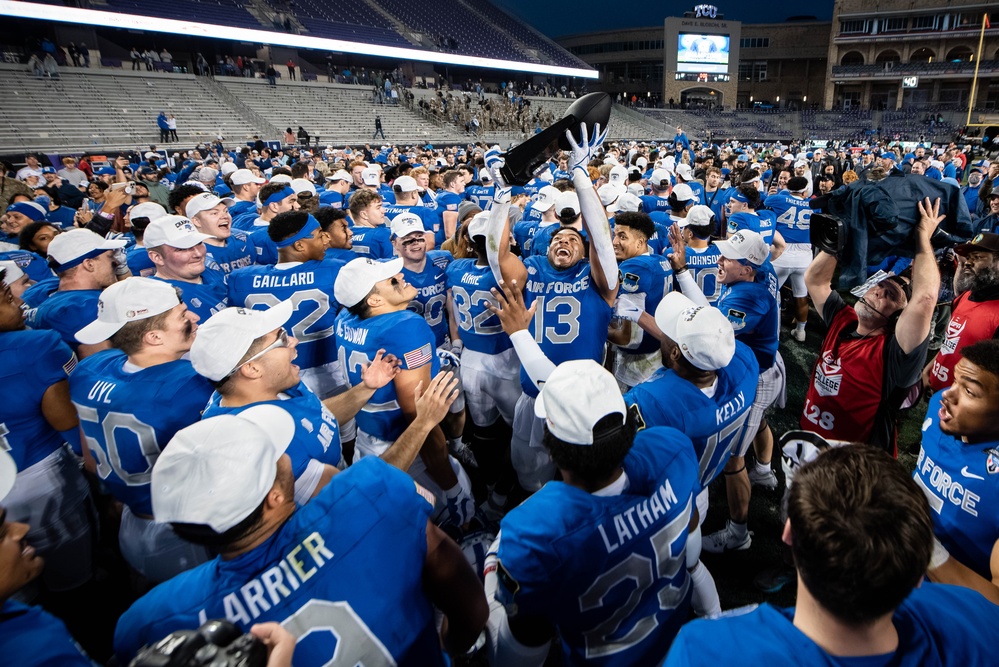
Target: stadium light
x=92 y=17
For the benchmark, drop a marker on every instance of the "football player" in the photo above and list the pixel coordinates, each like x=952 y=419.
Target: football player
x=227 y=249
x=793 y=223
x=177 y=249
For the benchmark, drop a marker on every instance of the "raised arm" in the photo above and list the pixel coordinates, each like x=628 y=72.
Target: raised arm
x=914 y=324
x=818 y=279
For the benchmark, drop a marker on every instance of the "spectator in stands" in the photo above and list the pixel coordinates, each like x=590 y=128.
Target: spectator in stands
x=35 y=66
x=271 y=74
x=136 y=57
x=51 y=66
x=37 y=236
x=71 y=174
x=378 y=128
x=303 y=137
x=172 y=127
x=161 y=122
x=201 y=65
x=85 y=54
x=74 y=54
x=291 y=69
x=166 y=57
x=289 y=137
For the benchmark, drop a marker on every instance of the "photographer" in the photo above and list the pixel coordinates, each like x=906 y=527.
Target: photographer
x=873 y=354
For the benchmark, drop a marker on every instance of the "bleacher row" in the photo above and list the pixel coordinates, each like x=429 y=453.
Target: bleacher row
x=900 y=69
x=117 y=109
x=468 y=27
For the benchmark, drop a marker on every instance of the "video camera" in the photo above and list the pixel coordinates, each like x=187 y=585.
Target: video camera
x=214 y=644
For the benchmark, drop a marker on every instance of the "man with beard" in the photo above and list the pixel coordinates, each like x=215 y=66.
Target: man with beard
x=976 y=308
x=131 y=400
x=871 y=355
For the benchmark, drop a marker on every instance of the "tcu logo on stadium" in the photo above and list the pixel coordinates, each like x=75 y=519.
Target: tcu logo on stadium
x=705 y=11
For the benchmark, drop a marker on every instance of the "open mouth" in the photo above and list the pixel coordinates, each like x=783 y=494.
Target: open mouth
x=563 y=253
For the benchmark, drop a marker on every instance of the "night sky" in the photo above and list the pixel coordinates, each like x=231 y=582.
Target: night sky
x=558 y=18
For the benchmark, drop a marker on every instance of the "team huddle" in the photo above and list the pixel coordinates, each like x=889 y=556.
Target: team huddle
x=303 y=398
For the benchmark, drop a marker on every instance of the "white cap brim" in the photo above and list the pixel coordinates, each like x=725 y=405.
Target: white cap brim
x=8 y=473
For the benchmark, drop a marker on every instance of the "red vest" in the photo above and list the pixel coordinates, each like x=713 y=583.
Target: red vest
x=971 y=322
x=846 y=388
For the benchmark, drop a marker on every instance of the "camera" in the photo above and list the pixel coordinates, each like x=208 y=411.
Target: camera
x=128 y=187
x=826 y=232
x=215 y=644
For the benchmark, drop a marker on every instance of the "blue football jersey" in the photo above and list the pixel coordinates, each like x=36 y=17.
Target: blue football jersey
x=309 y=285
x=128 y=418
x=448 y=202
x=431 y=293
x=322 y=575
x=543 y=238
x=267 y=252
x=331 y=198
x=659 y=241
x=793 y=216
x=67 y=312
x=238 y=252
x=30 y=363
x=373 y=242
x=703 y=265
x=429 y=200
x=480 y=195
x=36 y=294
x=340 y=254
x=402 y=333
x=31 y=637
x=33 y=265
x=241 y=208
x=961 y=481
x=712 y=424
x=761 y=222
x=431 y=220
x=753 y=308
x=648 y=277
x=717 y=201
x=608 y=571
x=317 y=434
x=928 y=636
x=572 y=317
x=652 y=203
x=139 y=263
x=204 y=299
x=523 y=235
x=469 y=284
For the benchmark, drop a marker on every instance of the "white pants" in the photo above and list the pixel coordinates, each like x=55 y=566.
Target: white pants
x=530 y=459
x=491 y=384
x=770 y=390
x=792 y=264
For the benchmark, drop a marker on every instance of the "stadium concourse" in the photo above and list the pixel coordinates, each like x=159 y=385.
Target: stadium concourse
x=699 y=362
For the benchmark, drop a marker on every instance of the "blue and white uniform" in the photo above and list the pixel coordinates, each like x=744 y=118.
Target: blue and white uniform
x=793 y=222
x=761 y=222
x=128 y=414
x=430 y=301
x=309 y=285
x=205 y=298
x=32 y=264
x=490 y=370
x=322 y=575
x=570 y=323
x=607 y=570
x=431 y=220
x=66 y=312
x=317 y=435
x=448 y=202
x=961 y=481
x=31 y=637
x=238 y=252
x=373 y=242
x=703 y=265
x=927 y=637
x=643 y=281
x=50 y=494
x=480 y=195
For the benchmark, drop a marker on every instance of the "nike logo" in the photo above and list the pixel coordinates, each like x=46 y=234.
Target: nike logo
x=965 y=473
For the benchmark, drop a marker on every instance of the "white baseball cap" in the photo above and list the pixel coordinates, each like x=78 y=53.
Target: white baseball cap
x=485 y=176
x=13 y=271
x=216 y=472
x=228 y=168
x=244 y=176
x=745 y=244
x=618 y=174
x=175 y=231
x=626 y=203
x=8 y=473
x=281 y=178
x=204 y=202
x=682 y=192
x=149 y=209
x=479 y=224
x=207 y=174
x=339 y=175
x=636 y=189
x=658 y=176
x=567 y=200
x=128 y=301
x=576 y=396
x=225 y=337
x=70 y=248
x=704 y=335
x=685 y=172
x=371 y=176
x=609 y=192
x=300 y=185
x=405 y=224
x=698 y=215
x=405 y=184
x=546 y=198
x=800 y=163
x=360 y=275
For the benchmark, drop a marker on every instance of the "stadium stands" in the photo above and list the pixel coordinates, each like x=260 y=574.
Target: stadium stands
x=547 y=50
x=221 y=12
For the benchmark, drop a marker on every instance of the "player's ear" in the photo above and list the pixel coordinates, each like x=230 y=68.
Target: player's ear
x=786 y=535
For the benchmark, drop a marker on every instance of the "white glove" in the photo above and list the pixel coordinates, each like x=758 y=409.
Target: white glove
x=626 y=309
x=584 y=151
x=120 y=262
x=460 y=505
x=494 y=162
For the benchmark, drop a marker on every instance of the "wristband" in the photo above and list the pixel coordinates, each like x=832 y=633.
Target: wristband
x=682 y=269
x=106 y=216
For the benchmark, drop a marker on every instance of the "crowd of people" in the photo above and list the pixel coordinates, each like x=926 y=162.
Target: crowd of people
x=375 y=404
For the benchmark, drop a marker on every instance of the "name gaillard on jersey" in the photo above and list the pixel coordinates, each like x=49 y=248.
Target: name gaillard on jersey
x=276 y=583
x=289 y=279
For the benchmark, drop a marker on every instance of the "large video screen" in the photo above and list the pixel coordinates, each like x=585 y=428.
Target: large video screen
x=702 y=53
